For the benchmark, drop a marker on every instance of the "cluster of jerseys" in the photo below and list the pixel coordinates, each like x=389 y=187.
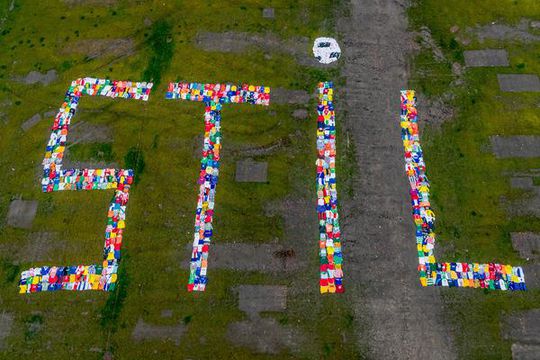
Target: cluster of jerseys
x=220 y=93
x=54 y=178
x=331 y=257
x=75 y=278
x=486 y=276
x=213 y=95
x=86 y=277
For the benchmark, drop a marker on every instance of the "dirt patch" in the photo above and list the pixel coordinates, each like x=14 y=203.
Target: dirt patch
x=251 y=171
x=486 y=57
x=525 y=183
x=264 y=336
x=31 y=122
x=528 y=206
x=527 y=244
x=94 y=48
x=504 y=32
x=21 y=213
x=259 y=150
x=268 y=13
x=254 y=299
x=427 y=42
x=69 y=164
x=518 y=82
x=519 y=146
x=90 y=2
x=6 y=322
x=434 y=111
x=300 y=114
x=525 y=352
x=237 y=42
x=35 y=77
x=297 y=213
x=532 y=276
x=167 y=313
x=144 y=331
x=40 y=246
x=522 y=326
x=83 y=132
x=269 y=258
x=287 y=96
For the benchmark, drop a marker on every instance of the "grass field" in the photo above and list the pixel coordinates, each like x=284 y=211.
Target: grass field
x=38 y=36
x=468 y=181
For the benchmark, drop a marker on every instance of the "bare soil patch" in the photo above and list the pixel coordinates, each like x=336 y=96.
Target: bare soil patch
x=486 y=57
x=519 y=146
x=522 y=326
x=254 y=299
x=34 y=77
x=94 y=48
x=144 y=331
x=251 y=171
x=518 y=82
x=237 y=42
x=496 y=31
x=21 y=213
x=527 y=244
x=6 y=323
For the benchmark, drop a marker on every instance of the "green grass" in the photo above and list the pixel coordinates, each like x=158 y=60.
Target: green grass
x=161 y=44
x=467 y=180
x=160 y=214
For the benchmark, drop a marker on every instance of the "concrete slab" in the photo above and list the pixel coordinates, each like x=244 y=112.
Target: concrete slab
x=21 y=213
x=251 y=171
x=28 y=124
x=6 y=322
x=264 y=336
x=520 y=146
x=518 y=82
x=532 y=275
x=300 y=114
x=268 y=13
x=287 y=96
x=41 y=246
x=83 y=132
x=522 y=182
x=522 y=326
x=254 y=299
x=486 y=57
x=527 y=244
x=501 y=31
x=144 y=331
x=525 y=352
x=530 y=205
x=34 y=77
x=166 y=313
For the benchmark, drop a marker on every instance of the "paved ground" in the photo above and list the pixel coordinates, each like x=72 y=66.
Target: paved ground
x=518 y=82
x=144 y=331
x=486 y=57
x=251 y=171
x=404 y=320
x=6 y=322
x=34 y=77
x=527 y=244
x=519 y=146
x=21 y=213
x=497 y=31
